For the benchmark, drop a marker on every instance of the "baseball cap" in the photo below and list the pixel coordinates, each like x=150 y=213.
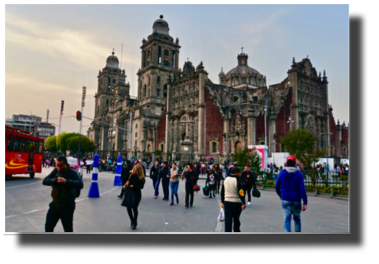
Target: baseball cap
x=292 y=158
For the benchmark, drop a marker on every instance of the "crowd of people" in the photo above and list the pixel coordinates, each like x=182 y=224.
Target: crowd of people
x=235 y=186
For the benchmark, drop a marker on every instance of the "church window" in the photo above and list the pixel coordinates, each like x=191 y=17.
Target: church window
x=235 y=98
x=165 y=90
x=166 y=52
x=243 y=80
x=109 y=81
x=148 y=92
x=158 y=92
x=114 y=80
x=106 y=102
x=136 y=125
x=162 y=147
x=144 y=90
x=148 y=55
x=158 y=79
x=148 y=80
x=173 y=58
x=235 y=81
x=255 y=98
x=136 y=134
x=159 y=55
x=214 y=147
x=165 y=62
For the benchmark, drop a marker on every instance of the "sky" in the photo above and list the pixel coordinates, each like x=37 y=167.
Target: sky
x=52 y=51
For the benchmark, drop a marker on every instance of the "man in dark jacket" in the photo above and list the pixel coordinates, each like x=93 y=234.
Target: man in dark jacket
x=65 y=184
x=248 y=181
x=154 y=176
x=125 y=173
x=291 y=190
x=191 y=178
x=165 y=177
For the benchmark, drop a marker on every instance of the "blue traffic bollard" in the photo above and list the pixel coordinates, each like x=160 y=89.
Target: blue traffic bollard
x=117 y=178
x=94 y=188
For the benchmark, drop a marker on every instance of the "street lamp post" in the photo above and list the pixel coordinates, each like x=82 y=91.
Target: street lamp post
x=227 y=139
x=135 y=152
x=327 y=150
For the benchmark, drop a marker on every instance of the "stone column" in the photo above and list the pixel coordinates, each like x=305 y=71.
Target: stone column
x=338 y=141
x=292 y=78
x=251 y=123
x=168 y=115
x=226 y=150
x=271 y=133
x=201 y=109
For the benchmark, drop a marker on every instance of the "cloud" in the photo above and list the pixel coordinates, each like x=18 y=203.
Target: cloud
x=67 y=44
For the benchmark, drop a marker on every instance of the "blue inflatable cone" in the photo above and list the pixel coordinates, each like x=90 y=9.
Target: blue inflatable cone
x=94 y=188
x=117 y=178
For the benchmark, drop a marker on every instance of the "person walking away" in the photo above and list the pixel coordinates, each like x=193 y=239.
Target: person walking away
x=233 y=200
x=165 y=177
x=218 y=177
x=291 y=190
x=65 y=184
x=89 y=163
x=136 y=182
x=174 y=183
x=125 y=173
x=154 y=172
x=211 y=182
x=191 y=178
x=143 y=167
x=248 y=179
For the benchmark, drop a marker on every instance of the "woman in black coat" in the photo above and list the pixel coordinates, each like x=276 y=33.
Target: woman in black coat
x=135 y=182
x=248 y=181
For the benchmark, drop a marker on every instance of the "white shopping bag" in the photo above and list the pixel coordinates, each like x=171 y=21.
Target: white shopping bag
x=221 y=216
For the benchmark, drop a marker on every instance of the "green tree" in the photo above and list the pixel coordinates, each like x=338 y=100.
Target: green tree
x=302 y=144
x=62 y=141
x=244 y=157
x=51 y=143
x=86 y=144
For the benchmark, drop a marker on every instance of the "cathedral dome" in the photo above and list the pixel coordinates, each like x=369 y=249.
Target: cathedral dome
x=242 y=70
x=112 y=61
x=161 y=26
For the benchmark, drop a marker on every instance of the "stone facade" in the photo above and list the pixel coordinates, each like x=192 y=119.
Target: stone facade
x=178 y=109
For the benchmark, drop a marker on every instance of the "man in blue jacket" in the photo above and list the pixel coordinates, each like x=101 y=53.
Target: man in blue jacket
x=291 y=190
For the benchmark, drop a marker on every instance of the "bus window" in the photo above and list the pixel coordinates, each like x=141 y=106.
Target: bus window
x=26 y=145
x=16 y=144
x=38 y=147
x=10 y=143
x=31 y=145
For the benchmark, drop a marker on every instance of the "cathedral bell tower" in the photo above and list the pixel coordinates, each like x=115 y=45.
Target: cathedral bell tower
x=159 y=63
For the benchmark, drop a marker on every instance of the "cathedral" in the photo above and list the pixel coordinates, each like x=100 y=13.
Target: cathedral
x=181 y=111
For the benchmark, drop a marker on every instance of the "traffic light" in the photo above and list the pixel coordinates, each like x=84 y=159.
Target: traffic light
x=78 y=115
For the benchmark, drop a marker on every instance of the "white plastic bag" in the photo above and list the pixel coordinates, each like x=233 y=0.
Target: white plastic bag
x=221 y=216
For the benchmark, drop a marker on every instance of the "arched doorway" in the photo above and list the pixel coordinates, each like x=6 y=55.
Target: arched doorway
x=237 y=145
x=183 y=136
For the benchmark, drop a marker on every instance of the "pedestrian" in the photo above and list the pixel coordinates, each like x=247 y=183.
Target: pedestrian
x=154 y=172
x=125 y=173
x=233 y=200
x=89 y=163
x=211 y=182
x=191 y=178
x=248 y=180
x=136 y=182
x=174 y=183
x=164 y=175
x=291 y=190
x=143 y=167
x=218 y=177
x=65 y=184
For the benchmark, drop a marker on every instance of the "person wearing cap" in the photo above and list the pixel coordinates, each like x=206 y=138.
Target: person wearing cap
x=233 y=200
x=291 y=190
x=164 y=175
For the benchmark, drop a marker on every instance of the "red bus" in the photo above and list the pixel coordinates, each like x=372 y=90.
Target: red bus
x=23 y=152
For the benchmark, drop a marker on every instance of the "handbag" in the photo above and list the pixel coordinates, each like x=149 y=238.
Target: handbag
x=196 y=188
x=128 y=199
x=256 y=193
x=221 y=216
x=205 y=190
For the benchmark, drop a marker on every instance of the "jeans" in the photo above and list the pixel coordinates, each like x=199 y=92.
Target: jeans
x=289 y=209
x=189 y=192
x=165 y=184
x=174 y=190
x=156 y=187
x=232 y=214
x=66 y=214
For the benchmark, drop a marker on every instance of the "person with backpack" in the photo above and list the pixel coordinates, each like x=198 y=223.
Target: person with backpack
x=248 y=181
x=291 y=190
x=66 y=185
x=136 y=182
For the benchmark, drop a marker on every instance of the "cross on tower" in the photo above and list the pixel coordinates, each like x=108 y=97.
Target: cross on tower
x=242 y=50
x=187 y=122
